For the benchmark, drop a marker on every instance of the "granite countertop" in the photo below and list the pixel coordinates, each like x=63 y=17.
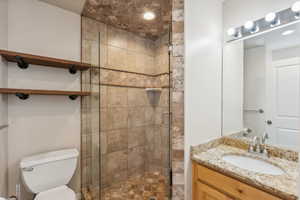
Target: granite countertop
x=284 y=186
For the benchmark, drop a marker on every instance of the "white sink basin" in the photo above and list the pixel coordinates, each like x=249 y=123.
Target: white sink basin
x=253 y=164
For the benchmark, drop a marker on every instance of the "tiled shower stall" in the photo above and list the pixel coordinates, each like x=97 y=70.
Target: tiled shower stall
x=126 y=120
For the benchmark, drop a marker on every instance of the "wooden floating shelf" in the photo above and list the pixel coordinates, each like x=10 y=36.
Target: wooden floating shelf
x=24 y=93
x=24 y=59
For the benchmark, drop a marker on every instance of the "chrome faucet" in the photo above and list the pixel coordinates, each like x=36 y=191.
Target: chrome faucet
x=265 y=137
x=258 y=145
x=263 y=141
x=254 y=145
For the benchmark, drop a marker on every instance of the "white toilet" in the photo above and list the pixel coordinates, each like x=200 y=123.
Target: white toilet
x=47 y=175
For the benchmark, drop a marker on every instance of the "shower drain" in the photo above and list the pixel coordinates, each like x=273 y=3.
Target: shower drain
x=152 y=198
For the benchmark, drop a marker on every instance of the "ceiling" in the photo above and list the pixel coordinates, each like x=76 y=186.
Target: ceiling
x=128 y=15
x=71 y=5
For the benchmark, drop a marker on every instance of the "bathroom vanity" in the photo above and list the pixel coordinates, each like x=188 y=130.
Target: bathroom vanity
x=210 y=184
x=257 y=157
x=215 y=177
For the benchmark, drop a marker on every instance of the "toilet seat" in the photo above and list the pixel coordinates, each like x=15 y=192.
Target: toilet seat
x=59 y=193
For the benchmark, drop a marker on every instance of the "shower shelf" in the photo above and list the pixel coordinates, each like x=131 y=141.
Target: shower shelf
x=153 y=89
x=23 y=60
x=24 y=93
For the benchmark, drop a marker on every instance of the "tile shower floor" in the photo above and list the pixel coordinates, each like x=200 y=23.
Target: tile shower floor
x=139 y=188
x=150 y=186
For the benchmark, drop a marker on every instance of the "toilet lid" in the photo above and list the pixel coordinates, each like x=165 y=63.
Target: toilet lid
x=59 y=193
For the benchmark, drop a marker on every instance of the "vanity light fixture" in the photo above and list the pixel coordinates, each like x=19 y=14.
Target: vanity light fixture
x=288 y=32
x=296 y=9
x=149 y=15
x=272 y=19
x=233 y=32
x=251 y=26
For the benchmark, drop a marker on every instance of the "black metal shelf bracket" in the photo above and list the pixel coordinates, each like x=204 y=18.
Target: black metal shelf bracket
x=73 y=69
x=73 y=97
x=21 y=63
x=22 y=96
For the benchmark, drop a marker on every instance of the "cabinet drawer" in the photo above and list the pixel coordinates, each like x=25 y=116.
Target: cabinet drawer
x=204 y=192
x=230 y=186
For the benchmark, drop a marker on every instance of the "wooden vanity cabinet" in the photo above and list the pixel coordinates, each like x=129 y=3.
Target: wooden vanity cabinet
x=211 y=185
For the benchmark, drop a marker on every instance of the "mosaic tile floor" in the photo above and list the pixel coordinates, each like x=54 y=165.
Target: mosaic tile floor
x=139 y=188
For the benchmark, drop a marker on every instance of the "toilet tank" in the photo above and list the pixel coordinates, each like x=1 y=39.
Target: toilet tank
x=48 y=170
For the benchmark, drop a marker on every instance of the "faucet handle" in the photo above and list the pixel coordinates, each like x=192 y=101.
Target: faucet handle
x=255 y=140
x=251 y=148
x=252 y=144
x=265 y=137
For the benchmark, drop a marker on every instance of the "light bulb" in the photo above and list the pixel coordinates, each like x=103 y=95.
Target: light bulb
x=251 y=26
x=296 y=7
x=272 y=19
x=231 y=31
x=149 y=15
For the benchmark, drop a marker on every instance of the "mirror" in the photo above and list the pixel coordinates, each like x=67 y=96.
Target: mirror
x=261 y=87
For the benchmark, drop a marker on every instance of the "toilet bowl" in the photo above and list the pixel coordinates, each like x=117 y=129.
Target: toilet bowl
x=62 y=192
x=47 y=175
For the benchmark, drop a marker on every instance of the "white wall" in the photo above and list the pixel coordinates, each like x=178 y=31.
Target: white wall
x=233 y=87
x=3 y=100
x=255 y=89
x=286 y=53
x=42 y=123
x=203 y=65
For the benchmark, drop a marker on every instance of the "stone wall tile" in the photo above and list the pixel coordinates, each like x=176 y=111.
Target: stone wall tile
x=178 y=167
x=177 y=62
x=178 y=50
x=136 y=97
x=115 y=166
x=178 y=4
x=116 y=58
x=136 y=137
x=103 y=143
x=177 y=155
x=117 y=37
x=103 y=97
x=136 y=117
x=86 y=51
x=178 y=15
x=149 y=115
x=103 y=55
x=117 y=140
x=136 y=161
x=178 y=39
x=178 y=192
x=178 y=143
x=117 y=96
x=95 y=75
x=178 y=27
x=178 y=97
x=119 y=117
